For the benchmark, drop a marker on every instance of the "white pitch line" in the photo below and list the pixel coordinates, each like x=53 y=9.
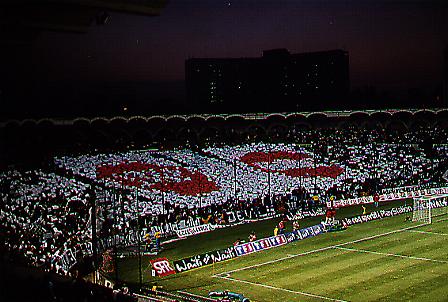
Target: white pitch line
x=428 y=232
x=391 y=255
x=289 y=256
x=282 y=289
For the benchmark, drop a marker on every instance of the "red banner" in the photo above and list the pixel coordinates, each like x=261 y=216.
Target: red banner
x=162 y=267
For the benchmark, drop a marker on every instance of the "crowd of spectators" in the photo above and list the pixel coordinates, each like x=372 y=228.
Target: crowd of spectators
x=41 y=215
x=44 y=214
x=250 y=171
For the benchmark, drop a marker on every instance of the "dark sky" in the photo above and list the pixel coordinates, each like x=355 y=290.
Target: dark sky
x=138 y=61
x=391 y=43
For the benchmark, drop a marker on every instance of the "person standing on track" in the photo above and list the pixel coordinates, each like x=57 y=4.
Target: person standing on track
x=276 y=231
x=376 y=199
x=281 y=227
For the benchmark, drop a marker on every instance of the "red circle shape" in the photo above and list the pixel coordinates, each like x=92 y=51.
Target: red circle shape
x=189 y=183
x=254 y=158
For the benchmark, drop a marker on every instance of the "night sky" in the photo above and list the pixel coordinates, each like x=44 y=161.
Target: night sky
x=392 y=44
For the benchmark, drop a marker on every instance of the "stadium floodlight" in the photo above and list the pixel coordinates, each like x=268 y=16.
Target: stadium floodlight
x=429 y=206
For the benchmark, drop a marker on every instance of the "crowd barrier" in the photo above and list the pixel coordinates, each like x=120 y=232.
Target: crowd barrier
x=388 y=197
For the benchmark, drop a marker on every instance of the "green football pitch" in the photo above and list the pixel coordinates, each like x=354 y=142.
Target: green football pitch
x=383 y=260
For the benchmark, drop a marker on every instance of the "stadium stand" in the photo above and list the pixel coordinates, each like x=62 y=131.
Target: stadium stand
x=46 y=212
x=188 y=187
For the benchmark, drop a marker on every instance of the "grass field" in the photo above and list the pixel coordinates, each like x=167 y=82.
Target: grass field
x=383 y=260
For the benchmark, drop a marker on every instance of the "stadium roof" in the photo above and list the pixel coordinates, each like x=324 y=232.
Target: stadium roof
x=245 y=116
x=68 y=15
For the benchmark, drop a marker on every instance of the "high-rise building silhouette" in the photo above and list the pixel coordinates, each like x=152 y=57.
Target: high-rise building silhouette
x=277 y=81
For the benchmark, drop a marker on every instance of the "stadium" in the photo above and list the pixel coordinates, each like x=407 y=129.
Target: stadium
x=227 y=151
x=193 y=209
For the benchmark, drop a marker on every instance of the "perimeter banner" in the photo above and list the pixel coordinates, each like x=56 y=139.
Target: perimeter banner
x=389 y=197
x=195 y=230
x=377 y=215
x=310 y=231
x=259 y=245
x=189 y=263
x=305 y=233
x=162 y=267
